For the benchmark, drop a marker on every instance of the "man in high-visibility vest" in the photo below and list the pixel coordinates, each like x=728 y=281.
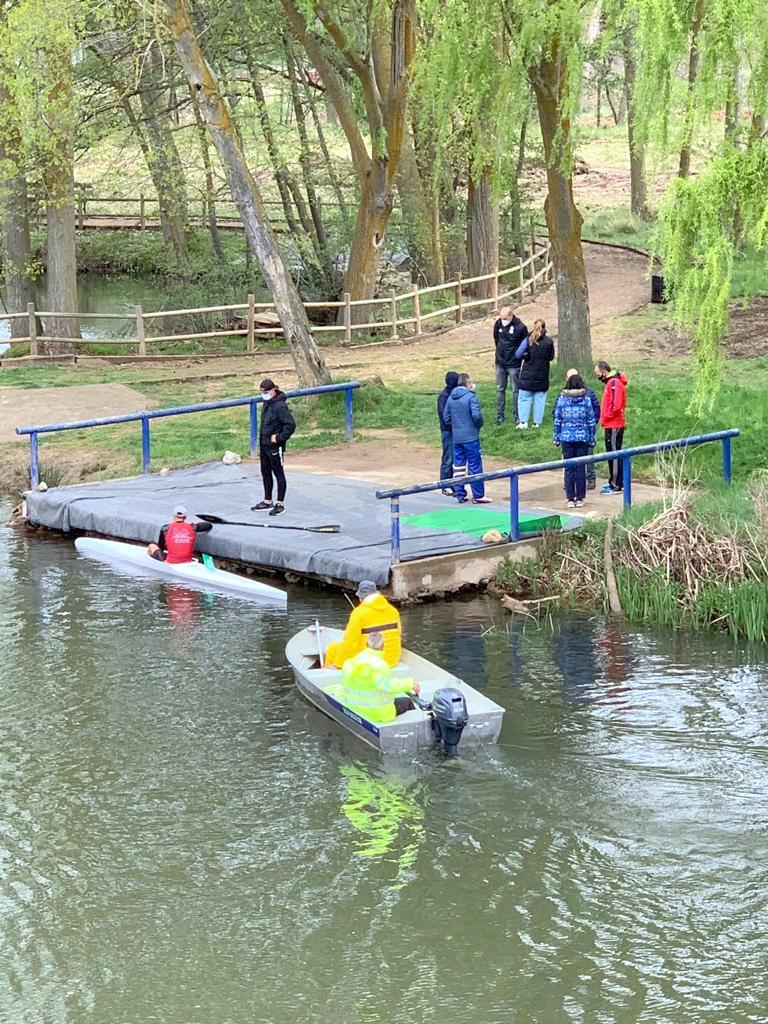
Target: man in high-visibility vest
x=367 y=686
x=374 y=614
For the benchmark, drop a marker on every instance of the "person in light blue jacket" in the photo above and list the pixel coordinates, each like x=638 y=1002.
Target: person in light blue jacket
x=575 y=434
x=465 y=417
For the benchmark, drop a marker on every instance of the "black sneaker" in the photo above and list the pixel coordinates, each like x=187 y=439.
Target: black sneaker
x=278 y=509
x=499 y=420
x=261 y=506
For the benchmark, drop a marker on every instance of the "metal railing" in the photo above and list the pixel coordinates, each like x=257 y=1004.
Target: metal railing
x=401 y=315
x=514 y=474
x=144 y=417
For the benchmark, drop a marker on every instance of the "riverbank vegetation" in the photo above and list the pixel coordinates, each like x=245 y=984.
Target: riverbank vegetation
x=694 y=560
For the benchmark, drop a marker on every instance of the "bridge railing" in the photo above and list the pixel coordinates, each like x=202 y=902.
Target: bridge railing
x=410 y=313
x=513 y=474
x=252 y=401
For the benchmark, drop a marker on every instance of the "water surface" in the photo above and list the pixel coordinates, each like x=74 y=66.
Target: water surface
x=183 y=839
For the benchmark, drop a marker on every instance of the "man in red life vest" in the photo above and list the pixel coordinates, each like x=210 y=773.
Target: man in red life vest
x=176 y=542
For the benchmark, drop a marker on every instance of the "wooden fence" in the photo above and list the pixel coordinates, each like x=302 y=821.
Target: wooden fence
x=403 y=315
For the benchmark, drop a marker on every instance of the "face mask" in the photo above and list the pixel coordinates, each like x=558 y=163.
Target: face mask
x=506 y=323
x=266 y=395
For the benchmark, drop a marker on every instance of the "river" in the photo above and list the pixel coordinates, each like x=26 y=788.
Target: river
x=183 y=839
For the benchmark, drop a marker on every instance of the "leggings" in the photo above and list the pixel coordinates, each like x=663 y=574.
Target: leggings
x=272 y=467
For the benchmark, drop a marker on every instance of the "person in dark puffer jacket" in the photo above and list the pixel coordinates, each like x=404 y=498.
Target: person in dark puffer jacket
x=277 y=425
x=534 y=375
x=446 y=434
x=574 y=433
x=509 y=332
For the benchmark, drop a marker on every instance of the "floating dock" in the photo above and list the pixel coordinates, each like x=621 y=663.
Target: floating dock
x=441 y=550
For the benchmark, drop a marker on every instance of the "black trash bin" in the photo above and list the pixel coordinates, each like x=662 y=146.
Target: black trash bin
x=657 y=288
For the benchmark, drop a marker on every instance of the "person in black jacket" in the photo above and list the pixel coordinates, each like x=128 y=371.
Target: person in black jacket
x=534 y=375
x=508 y=332
x=277 y=425
x=446 y=434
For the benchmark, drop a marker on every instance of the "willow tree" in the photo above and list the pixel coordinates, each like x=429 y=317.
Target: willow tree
x=375 y=48
x=309 y=363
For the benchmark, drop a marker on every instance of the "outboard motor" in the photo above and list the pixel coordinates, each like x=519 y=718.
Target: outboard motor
x=449 y=716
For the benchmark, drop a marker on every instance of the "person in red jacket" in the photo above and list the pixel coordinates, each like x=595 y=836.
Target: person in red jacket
x=613 y=421
x=176 y=542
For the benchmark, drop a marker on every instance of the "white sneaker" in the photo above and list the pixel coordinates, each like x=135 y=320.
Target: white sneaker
x=579 y=504
x=571 y=504
x=522 y=426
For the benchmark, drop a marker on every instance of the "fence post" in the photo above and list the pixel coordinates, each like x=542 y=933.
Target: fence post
x=514 y=507
x=520 y=281
x=251 y=322
x=140 y=331
x=417 y=307
x=254 y=427
x=626 y=476
x=145 y=455
x=727 y=459
x=81 y=212
x=32 y=328
x=347 y=318
x=394 y=518
x=393 y=314
x=459 y=301
x=348 y=412
x=533 y=240
x=142 y=218
x=495 y=289
x=34 y=463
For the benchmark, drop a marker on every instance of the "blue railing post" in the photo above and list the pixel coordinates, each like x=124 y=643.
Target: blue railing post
x=514 y=507
x=626 y=475
x=145 y=453
x=254 y=427
x=34 y=463
x=727 y=459
x=394 y=515
x=348 y=410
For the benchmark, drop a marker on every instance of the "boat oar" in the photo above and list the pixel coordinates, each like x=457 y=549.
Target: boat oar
x=219 y=521
x=320 y=654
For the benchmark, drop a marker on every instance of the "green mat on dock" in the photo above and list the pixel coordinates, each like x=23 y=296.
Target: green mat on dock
x=476 y=520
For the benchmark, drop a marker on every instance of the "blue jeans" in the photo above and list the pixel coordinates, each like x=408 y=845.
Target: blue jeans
x=575 y=476
x=468 y=460
x=524 y=401
x=446 y=461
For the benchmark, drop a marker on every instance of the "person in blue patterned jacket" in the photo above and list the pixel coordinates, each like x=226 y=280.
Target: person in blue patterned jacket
x=574 y=434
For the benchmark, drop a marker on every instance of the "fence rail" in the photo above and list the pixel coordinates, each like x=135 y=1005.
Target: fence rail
x=403 y=314
x=513 y=474
x=253 y=401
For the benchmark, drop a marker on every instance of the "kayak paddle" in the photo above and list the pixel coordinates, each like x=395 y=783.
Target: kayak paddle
x=218 y=521
x=208 y=562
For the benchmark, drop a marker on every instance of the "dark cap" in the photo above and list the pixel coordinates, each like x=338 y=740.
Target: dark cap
x=366 y=588
x=267 y=385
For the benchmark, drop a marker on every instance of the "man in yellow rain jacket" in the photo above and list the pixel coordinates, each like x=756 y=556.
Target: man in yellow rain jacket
x=367 y=686
x=373 y=614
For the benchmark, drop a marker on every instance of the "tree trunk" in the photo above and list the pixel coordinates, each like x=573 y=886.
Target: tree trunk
x=13 y=206
x=563 y=219
x=309 y=363
x=598 y=104
x=210 y=199
x=693 y=73
x=482 y=231
x=638 y=181
x=376 y=204
x=166 y=168
x=329 y=164
x=305 y=155
x=59 y=183
x=418 y=216
x=516 y=213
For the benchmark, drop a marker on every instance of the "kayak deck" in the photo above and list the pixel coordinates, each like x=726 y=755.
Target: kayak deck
x=408 y=732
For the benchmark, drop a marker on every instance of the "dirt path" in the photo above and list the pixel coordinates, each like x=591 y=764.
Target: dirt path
x=29 y=406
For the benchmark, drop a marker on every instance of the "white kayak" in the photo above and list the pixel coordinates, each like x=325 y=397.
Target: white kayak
x=410 y=731
x=193 y=574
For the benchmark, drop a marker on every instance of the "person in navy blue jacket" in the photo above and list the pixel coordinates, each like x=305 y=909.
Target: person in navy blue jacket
x=446 y=462
x=463 y=413
x=595 y=401
x=574 y=433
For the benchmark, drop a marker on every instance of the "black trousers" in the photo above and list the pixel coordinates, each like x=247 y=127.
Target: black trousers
x=614 y=441
x=271 y=459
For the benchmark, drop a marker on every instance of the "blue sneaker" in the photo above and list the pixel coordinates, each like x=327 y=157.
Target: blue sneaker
x=607 y=489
